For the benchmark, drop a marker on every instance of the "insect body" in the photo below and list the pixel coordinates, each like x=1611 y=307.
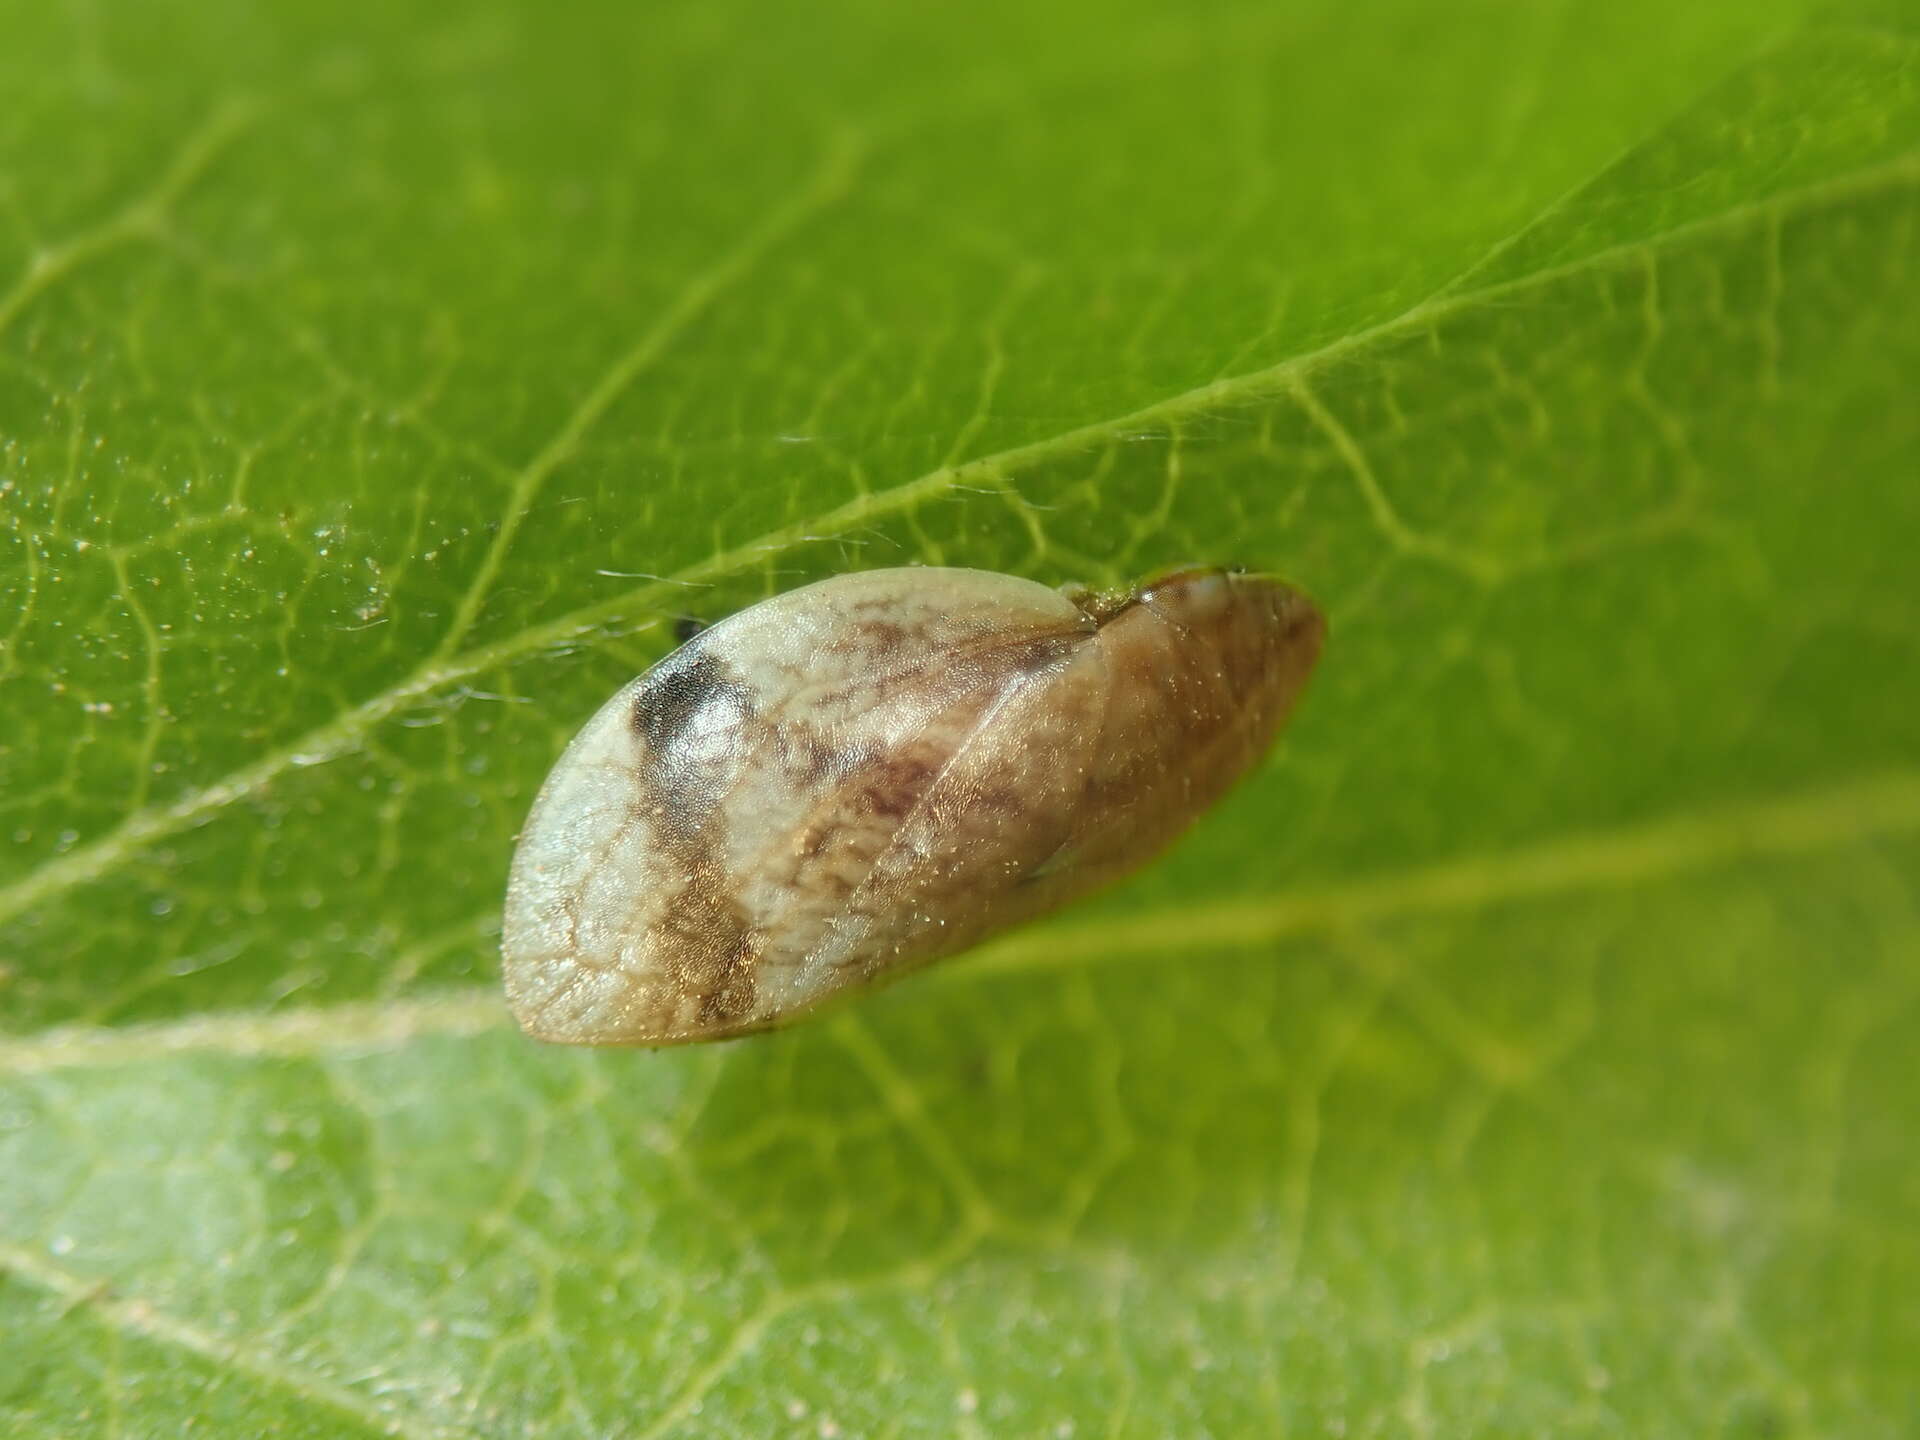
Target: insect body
x=854 y=778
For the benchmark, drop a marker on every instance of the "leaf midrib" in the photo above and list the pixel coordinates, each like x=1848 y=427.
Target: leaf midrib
x=340 y=736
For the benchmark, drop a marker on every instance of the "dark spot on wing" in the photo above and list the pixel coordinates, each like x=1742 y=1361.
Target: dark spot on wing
x=677 y=692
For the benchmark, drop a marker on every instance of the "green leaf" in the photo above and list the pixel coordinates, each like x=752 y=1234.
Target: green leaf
x=1531 y=1047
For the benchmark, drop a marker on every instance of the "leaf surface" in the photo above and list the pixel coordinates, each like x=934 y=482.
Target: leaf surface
x=1530 y=1047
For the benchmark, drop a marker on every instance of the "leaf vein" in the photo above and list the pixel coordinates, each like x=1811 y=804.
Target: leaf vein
x=141 y=217
x=1853 y=811
x=828 y=183
x=88 y=862
x=129 y=1315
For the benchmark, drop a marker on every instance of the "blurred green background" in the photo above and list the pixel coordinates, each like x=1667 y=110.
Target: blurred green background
x=1531 y=1047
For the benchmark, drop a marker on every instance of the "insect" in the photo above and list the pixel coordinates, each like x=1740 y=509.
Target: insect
x=847 y=781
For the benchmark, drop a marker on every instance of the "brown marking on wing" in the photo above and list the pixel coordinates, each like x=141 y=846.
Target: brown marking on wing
x=892 y=785
x=729 y=999
x=706 y=945
x=876 y=639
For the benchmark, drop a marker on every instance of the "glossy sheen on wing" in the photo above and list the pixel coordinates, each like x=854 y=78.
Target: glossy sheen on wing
x=857 y=777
